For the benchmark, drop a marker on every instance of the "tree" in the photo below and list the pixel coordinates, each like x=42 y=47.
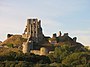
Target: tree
x=51 y=57
x=78 y=58
x=61 y=52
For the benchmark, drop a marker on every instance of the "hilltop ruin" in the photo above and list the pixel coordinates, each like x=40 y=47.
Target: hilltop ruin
x=33 y=40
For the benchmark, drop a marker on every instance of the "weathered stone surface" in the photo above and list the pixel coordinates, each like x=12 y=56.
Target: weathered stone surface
x=33 y=30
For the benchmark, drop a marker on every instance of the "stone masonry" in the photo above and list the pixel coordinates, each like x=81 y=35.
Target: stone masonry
x=33 y=34
x=34 y=30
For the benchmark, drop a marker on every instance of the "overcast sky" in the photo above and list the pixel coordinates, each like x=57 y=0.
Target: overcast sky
x=72 y=16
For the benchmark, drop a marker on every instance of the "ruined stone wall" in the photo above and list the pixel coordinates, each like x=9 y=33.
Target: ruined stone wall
x=34 y=30
x=25 y=47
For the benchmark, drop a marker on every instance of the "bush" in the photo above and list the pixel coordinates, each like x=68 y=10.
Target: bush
x=10 y=45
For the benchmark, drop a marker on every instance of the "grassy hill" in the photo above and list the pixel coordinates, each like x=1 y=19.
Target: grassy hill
x=15 y=40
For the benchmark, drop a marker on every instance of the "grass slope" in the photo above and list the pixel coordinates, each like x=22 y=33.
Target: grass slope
x=15 y=40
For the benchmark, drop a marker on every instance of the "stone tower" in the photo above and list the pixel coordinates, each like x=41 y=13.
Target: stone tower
x=34 y=30
x=26 y=46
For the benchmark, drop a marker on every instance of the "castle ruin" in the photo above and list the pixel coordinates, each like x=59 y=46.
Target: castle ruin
x=36 y=39
x=33 y=33
x=33 y=30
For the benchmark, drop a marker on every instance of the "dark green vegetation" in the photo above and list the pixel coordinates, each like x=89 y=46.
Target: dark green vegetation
x=64 y=56
x=13 y=59
x=67 y=53
x=67 y=56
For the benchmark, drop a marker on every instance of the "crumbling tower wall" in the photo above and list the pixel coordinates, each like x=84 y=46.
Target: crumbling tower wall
x=34 y=30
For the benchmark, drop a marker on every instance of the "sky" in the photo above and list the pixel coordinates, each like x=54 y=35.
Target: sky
x=67 y=16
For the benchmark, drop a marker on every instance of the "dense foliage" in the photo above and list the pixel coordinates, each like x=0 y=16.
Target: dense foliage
x=63 y=56
x=67 y=56
x=13 y=59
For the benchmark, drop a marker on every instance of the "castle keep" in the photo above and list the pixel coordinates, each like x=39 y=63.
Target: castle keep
x=33 y=30
x=33 y=34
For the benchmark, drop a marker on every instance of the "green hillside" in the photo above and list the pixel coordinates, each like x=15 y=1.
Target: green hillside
x=15 y=40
